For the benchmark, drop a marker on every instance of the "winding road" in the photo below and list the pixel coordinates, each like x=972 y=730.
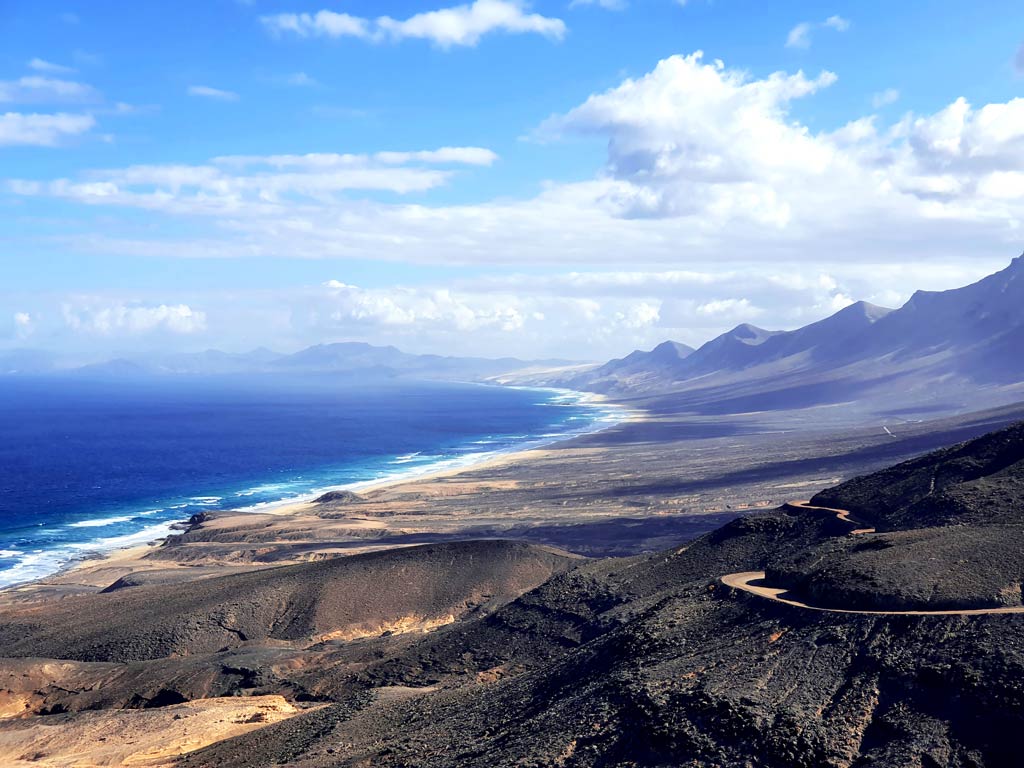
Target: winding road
x=841 y=514
x=748 y=580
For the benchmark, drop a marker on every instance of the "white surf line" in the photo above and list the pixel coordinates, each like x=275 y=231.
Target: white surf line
x=607 y=416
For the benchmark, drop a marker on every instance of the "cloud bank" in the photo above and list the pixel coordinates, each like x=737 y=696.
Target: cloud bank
x=728 y=206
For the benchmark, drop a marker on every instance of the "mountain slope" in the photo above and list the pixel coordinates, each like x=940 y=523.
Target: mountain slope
x=635 y=368
x=652 y=661
x=941 y=349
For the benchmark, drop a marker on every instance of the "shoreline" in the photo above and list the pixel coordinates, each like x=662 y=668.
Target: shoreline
x=131 y=553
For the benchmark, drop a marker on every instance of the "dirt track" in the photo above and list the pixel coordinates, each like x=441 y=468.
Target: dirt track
x=743 y=581
x=841 y=514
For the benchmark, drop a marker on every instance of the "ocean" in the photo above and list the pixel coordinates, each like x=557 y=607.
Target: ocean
x=88 y=466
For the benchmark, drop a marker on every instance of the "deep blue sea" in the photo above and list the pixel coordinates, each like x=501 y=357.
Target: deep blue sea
x=88 y=466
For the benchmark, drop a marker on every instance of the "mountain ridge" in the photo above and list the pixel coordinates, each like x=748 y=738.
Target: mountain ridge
x=939 y=346
x=345 y=358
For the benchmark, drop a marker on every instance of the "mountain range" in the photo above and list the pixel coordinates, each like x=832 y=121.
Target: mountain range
x=936 y=349
x=942 y=351
x=341 y=359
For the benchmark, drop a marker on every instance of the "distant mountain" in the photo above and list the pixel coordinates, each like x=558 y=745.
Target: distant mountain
x=351 y=357
x=355 y=359
x=635 y=370
x=941 y=347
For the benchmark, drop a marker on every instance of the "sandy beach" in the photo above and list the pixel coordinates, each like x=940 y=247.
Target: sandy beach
x=635 y=486
x=95 y=570
x=316 y=526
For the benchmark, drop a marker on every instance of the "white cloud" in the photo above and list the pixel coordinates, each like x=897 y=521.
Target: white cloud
x=320 y=24
x=462 y=25
x=41 y=65
x=739 y=309
x=442 y=156
x=212 y=93
x=34 y=89
x=800 y=35
x=883 y=98
x=711 y=188
x=838 y=23
x=514 y=317
x=688 y=131
x=421 y=309
x=132 y=319
x=260 y=186
x=41 y=130
x=639 y=315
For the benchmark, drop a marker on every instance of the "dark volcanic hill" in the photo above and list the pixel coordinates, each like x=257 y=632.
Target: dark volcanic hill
x=364 y=595
x=941 y=349
x=651 y=661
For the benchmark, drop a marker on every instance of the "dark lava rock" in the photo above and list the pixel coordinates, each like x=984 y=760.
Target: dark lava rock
x=338 y=497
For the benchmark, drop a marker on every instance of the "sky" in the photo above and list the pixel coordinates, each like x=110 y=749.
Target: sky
x=561 y=178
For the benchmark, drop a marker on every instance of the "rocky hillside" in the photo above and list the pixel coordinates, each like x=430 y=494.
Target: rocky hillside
x=642 y=661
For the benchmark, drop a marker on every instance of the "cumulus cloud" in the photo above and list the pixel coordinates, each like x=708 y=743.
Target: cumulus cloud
x=800 y=35
x=479 y=317
x=422 y=307
x=707 y=172
x=41 y=130
x=462 y=25
x=689 y=129
x=132 y=319
x=212 y=93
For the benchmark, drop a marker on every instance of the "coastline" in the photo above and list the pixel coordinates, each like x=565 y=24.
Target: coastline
x=129 y=557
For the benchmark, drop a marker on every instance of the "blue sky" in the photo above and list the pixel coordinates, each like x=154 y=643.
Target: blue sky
x=555 y=178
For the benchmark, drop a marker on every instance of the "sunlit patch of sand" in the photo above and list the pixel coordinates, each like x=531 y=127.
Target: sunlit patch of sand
x=401 y=626
x=153 y=738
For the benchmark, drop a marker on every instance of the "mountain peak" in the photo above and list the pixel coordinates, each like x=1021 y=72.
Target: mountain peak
x=863 y=310
x=750 y=334
x=671 y=350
